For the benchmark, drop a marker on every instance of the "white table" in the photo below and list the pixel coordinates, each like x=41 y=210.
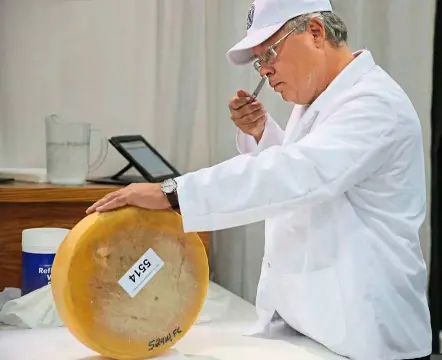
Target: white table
x=219 y=339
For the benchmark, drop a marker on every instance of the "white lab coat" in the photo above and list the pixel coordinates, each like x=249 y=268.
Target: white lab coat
x=342 y=193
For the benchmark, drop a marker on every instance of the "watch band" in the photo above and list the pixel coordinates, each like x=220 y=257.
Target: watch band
x=173 y=200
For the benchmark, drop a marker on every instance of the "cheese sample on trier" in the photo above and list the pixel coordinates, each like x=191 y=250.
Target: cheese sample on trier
x=130 y=283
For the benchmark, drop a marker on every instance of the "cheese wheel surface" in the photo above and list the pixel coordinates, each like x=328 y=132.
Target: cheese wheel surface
x=130 y=283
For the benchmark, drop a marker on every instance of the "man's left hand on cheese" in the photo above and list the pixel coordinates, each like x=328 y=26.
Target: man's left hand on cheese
x=142 y=195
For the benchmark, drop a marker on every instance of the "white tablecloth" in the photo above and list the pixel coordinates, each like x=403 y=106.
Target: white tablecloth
x=212 y=338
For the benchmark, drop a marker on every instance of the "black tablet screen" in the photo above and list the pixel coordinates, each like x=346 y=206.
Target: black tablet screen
x=147 y=158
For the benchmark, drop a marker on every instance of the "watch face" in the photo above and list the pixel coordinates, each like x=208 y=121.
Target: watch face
x=169 y=186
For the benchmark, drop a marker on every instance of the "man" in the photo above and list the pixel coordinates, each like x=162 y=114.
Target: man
x=341 y=190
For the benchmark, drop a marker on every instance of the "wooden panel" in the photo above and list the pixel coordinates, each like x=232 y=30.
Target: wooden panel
x=24 y=206
x=36 y=193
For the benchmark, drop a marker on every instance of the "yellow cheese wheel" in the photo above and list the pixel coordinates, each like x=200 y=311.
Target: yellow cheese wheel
x=130 y=283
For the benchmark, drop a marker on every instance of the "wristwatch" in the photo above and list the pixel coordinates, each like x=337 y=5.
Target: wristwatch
x=169 y=188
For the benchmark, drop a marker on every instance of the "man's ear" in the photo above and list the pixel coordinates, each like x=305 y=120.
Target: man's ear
x=317 y=29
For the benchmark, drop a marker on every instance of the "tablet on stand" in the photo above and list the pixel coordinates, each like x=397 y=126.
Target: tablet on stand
x=149 y=163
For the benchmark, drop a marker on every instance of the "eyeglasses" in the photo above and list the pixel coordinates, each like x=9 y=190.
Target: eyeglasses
x=270 y=55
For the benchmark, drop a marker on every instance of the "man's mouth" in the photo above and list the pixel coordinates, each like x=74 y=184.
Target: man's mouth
x=274 y=86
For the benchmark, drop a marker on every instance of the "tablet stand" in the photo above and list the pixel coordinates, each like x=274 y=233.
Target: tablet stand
x=122 y=171
x=6 y=180
x=119 y=178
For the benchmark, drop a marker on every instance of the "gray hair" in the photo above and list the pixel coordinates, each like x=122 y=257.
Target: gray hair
x=335 y=28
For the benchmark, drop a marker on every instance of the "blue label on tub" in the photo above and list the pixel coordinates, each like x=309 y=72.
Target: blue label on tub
x=36 y=271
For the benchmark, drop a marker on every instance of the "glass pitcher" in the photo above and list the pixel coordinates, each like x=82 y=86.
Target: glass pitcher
x=68 y=151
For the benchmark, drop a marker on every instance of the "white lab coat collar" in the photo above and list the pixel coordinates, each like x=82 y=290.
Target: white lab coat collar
x=303 y=117
x=362 y=64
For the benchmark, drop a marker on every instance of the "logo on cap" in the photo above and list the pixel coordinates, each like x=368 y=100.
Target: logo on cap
x=250 y=16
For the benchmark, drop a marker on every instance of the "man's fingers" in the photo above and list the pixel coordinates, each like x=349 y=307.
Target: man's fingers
x=251 y=125
x=248 y=118
x=238 y=102
x=107 y=198
x=94 y=206
x=247 y=114
x=253 y=117
x=245 y=110
x=112 y=204
x=243 y=94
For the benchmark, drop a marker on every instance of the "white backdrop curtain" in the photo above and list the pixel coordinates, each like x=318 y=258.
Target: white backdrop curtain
x=158 y=68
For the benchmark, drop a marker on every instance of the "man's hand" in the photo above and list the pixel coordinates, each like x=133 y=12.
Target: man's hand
x=249 y=118
x=149 y=196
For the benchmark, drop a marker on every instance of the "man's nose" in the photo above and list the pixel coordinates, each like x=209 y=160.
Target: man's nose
x=266 y=70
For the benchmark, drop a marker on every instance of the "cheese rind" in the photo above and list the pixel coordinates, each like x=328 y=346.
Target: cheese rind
x=87 y=282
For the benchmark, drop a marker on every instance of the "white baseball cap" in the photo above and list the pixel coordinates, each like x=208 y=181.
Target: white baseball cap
x=265 y=18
